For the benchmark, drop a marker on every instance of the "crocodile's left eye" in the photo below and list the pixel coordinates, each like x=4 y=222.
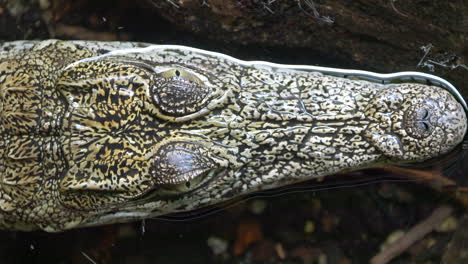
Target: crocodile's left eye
x=178 y=92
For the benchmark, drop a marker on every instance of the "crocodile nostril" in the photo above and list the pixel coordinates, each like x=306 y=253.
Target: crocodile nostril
x=422 y=113
x=419 y=121
x=423 y=125
x=426 y=114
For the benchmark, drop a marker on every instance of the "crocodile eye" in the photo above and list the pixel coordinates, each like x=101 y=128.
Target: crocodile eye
x=418 y=122
x=188 y=185
x=178 y=92
x=183 y=74
x=180 y=167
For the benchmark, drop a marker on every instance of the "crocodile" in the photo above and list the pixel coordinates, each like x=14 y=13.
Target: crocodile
x=95 y=133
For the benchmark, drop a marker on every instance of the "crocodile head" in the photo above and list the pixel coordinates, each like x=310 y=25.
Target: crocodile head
x=225 y=129
x=156 y=130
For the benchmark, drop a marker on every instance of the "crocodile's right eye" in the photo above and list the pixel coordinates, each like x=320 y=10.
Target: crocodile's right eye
x=178 y=92
x=180 y=167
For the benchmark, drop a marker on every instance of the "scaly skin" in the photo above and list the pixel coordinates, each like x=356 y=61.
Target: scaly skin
x=90 y=139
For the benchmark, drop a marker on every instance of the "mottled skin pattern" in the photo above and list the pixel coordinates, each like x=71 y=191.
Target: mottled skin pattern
x=116 y=138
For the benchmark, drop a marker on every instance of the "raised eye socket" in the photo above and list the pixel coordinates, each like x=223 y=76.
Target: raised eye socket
x=180 y=167
x=177 y=92
x=418 y=122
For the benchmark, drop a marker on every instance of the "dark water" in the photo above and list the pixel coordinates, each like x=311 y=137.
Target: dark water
x=342 y=220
